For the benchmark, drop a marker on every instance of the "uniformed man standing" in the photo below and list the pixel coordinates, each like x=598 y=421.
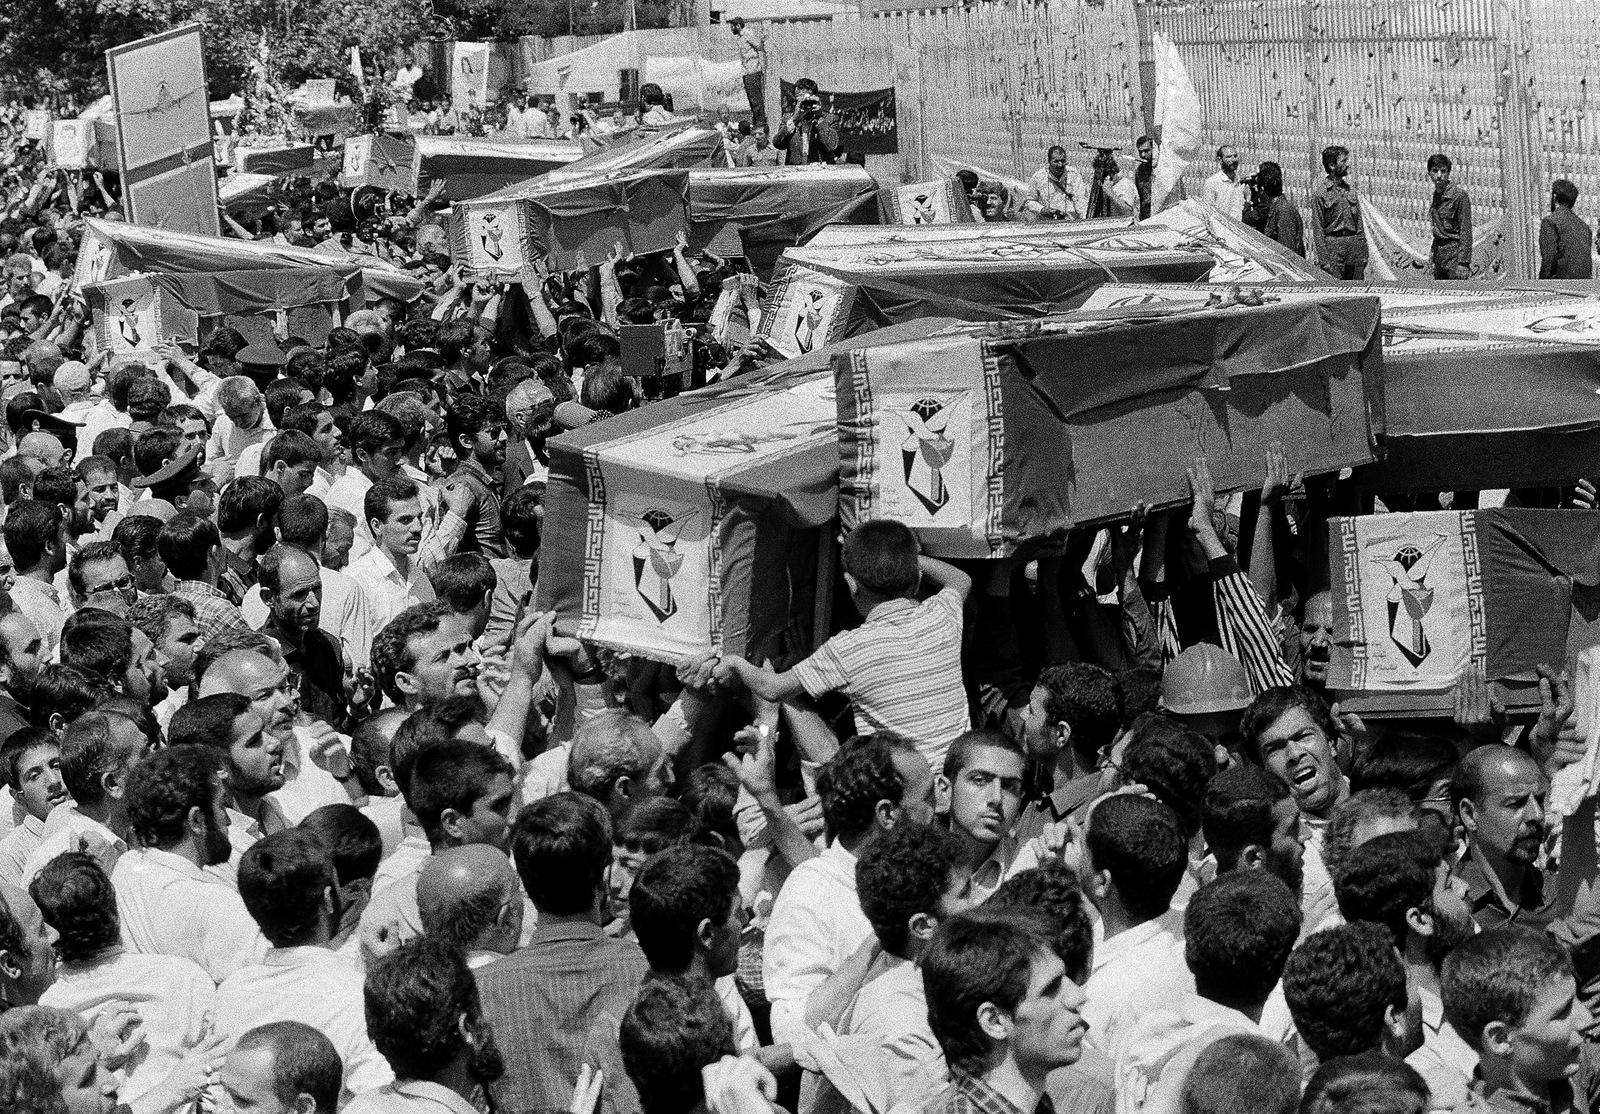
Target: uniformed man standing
x=1343 y=243
x=1451 y=216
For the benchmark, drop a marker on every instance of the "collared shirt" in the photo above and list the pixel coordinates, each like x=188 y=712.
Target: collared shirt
x=483 y=516
x=169 y=906
x=752 y=50
x=968 y=1094
x=1066 y=194
x=542 y=1001
x=1228 y=194
x=1445 y=1061
x=1068 y=799
x=320 y=667
x=1565 y=250
x=389 y=593
x=41 y=603
x=1336 y=207
x=349 y=493
x=546 y=774
x=99 y=418
x=67 y=829
x=1450 y=214
x=238 y=574
x=228 y=440
x=172 y=995
x=306 y=785
x=314 y=986
x=346 y=615
x=1137 y=970
x=901 y=668
x=1317 y=900
x=17 y=846
x=414 y=1096
x=1534 y=909
x=213 y=612
x=1000 y=865
x=816 y=925
x=891 y=1010
x=513 y=580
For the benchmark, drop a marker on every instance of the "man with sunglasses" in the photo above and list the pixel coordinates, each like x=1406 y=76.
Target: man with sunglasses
x=98 y=576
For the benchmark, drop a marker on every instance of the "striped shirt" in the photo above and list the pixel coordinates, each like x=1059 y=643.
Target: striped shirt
x=901 y=669
x=1243 y=626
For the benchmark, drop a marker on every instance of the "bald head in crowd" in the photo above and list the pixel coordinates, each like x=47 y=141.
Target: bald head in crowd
x=46 y=448
x=252 y=674
x=470 y=897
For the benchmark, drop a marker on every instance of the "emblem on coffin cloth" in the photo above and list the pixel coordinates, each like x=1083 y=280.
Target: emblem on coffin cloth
x=926 y=450
x=656 y=559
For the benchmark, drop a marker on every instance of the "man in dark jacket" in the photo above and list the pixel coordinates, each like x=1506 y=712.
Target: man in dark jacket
x=1563 y=238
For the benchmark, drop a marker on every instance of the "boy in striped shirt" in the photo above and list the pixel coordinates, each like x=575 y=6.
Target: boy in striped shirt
x=901 y=668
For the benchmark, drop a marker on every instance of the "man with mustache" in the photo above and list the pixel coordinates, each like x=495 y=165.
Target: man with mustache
x=1316 y=641
x=424 y=1016
x=1499 y=793
x=985 y=772
x=1402 y=882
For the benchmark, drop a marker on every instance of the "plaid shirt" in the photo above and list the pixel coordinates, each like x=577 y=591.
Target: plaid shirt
x=967 y=1094
x=213 y=613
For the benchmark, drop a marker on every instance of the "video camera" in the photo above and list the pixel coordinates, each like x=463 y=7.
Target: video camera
x=809 y=104
x=1104 y=164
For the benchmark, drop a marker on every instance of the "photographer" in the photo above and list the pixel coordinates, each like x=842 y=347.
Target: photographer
x=1113 y=193
x=1280 y=220
x=1056 y=192
x=809 y=134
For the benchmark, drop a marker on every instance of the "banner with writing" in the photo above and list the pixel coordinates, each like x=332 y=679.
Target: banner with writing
x=866 y=121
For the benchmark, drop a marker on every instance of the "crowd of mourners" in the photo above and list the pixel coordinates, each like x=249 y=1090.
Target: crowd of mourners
x=309 y=808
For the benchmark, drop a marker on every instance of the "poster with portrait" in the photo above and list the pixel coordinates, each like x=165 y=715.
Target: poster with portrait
x=469 y=76
x=866 y=121
x=943 y=201
x=36 y=124
x=158 y=87
x=805 y=310
x=71 y=142
x=127 y=315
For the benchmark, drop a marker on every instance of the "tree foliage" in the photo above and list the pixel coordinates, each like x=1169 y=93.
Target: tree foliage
x=56 y=48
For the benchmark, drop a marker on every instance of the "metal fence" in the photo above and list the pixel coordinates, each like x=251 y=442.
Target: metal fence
x=1502 y=86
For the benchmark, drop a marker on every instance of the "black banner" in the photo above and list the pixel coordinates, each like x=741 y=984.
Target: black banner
x=866 y=120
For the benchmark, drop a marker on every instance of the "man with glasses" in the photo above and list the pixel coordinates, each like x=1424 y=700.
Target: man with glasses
x=98 y=576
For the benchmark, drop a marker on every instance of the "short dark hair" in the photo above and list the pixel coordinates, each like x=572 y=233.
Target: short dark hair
x=75 y=896
x=97 y=642
x=246 y=502
x=1243 y=1073
x=1272 y=704
x=851 y=783
x=154 y=448
x=882 y=555
x=463 y=580
x=283 y=878
x=1371 y=1083
x=1236 y=811
x=381 y=497
x=450 y=776
x=280 y=394
x=438 y=723
x=1238 y=932
x=351 y=838
x=292 y=448
x=962 y=746
x=562 y=846
x=137 y=536
x=304 y=1062
x=17 y=745
x=904 y=872
x=1409 y=761
x=469 y=415
x=153 y=614
x=370 y=748
x=675 y=890
x=1086 y=697
x=185 y=542
x=1330 y=155
x=1144 y=847
x=13 y=475
x=651 y=824
x=1174 y=762
x=1497 y=976
x=31 y=526
x=1439 y=162
x=302 y=520
x=1338 y=983
x=414 y=998
x=1387 y=877
x=1564 y=192
x=1053 y=888
x=985 y=955
x=166 y=786
x=208 y=721
x=373 y=429
x=68 y=692
x=391 y=647
x=56 y=484
x=675 y=1027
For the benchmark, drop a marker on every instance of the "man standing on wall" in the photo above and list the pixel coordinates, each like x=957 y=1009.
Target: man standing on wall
x=1342 y=245
x=1451 y=216
x=753 y=60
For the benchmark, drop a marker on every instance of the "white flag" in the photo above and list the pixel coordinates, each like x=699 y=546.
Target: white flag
x=1178 y=119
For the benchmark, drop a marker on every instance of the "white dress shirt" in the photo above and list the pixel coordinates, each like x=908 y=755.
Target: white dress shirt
x=96 y=420
x=345 y=614
x=171 y=994
x=388 y=814
x=389 y=593
x=745 y=1037
x=67 y=829
x=892 y=1041
x=546 y=774
x=1135 y=971
x=17 y=847
x=816 y=925
x=314 y=986
x=1229 y=196
x=391 y=916
x=1445 y=1061
x=306 y=785
x=169 y=906
x=41 y=603
x=228 y=441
